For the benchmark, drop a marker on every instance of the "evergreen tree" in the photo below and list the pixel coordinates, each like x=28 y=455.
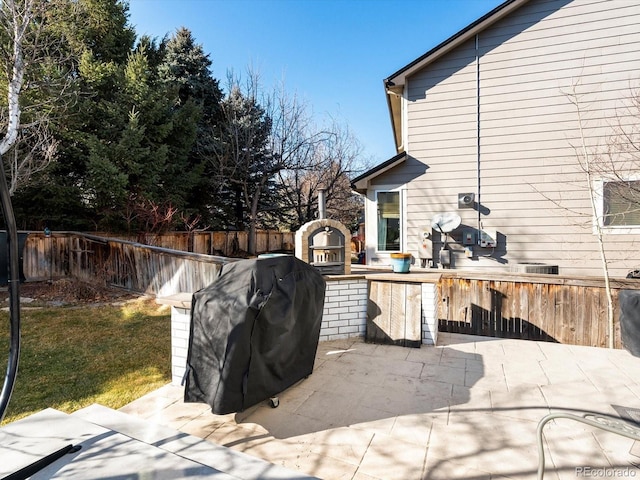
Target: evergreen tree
x=95 y=40
x=115 y=147
x=243 y=163
x=187 y=67
x=186 y=72
x=146 y=133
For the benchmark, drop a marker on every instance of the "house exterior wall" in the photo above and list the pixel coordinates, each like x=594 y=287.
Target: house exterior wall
x=495 y=117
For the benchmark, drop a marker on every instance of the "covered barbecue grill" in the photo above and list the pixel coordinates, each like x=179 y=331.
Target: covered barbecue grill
x=254 y=332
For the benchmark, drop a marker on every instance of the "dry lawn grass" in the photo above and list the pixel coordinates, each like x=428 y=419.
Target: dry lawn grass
x=101 y=346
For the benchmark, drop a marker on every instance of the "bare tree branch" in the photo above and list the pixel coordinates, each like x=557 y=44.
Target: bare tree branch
x=33 y=59
x=15 y=20
x=617 y=163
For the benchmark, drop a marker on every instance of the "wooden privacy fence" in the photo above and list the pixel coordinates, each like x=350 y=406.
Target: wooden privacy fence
x=225 y=243
x=121 y=263
x=567 y=310
x=536 y=307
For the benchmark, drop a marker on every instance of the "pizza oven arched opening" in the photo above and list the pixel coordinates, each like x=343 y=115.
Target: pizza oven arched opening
x=325 y=244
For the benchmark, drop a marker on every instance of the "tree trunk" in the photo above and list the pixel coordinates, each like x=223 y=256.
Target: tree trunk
x=254 y=202
x=587 y=166
x=239 y=210
x=253 y=219
x=15 y=84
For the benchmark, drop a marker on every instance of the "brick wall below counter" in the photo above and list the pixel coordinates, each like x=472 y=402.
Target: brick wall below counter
x=344 y=316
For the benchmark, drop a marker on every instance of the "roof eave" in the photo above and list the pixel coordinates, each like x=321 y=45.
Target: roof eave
x=399 y=78
x=360 y=183
x=394 y=104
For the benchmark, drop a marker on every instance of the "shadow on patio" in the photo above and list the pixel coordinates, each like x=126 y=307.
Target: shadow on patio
x=466 y=409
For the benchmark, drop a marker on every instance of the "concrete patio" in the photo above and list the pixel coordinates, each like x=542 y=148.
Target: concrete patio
x=465 y=409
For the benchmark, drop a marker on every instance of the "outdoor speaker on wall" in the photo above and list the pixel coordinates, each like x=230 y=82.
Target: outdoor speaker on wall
x=466 y=200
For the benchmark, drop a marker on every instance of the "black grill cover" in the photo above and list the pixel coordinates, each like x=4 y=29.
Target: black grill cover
x=630 y=320
x=254 y=332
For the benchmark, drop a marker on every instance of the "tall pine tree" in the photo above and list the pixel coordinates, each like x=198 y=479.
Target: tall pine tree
x=196 y=96
x=95 y=41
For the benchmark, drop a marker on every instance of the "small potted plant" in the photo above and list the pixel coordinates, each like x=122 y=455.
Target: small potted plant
x=400 y=262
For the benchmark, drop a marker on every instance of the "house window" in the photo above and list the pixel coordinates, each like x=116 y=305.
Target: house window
x=388 y=221
x=621 y=203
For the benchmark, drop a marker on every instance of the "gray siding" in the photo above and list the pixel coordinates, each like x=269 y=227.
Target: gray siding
x=532 y=190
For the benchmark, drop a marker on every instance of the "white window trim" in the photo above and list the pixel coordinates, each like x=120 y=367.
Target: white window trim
x=403 y=219
x=598 y=221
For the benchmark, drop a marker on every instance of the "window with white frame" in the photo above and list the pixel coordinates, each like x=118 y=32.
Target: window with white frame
x=389 y=224
x=621 y=203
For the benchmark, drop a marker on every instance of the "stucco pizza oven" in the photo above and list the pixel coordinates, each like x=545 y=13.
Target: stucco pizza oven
x=325 y=244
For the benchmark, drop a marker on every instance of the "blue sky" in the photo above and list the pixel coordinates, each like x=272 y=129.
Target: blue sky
x=332 y=53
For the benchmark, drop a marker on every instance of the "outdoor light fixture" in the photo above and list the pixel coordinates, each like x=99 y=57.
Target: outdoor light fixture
x=466 y=200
